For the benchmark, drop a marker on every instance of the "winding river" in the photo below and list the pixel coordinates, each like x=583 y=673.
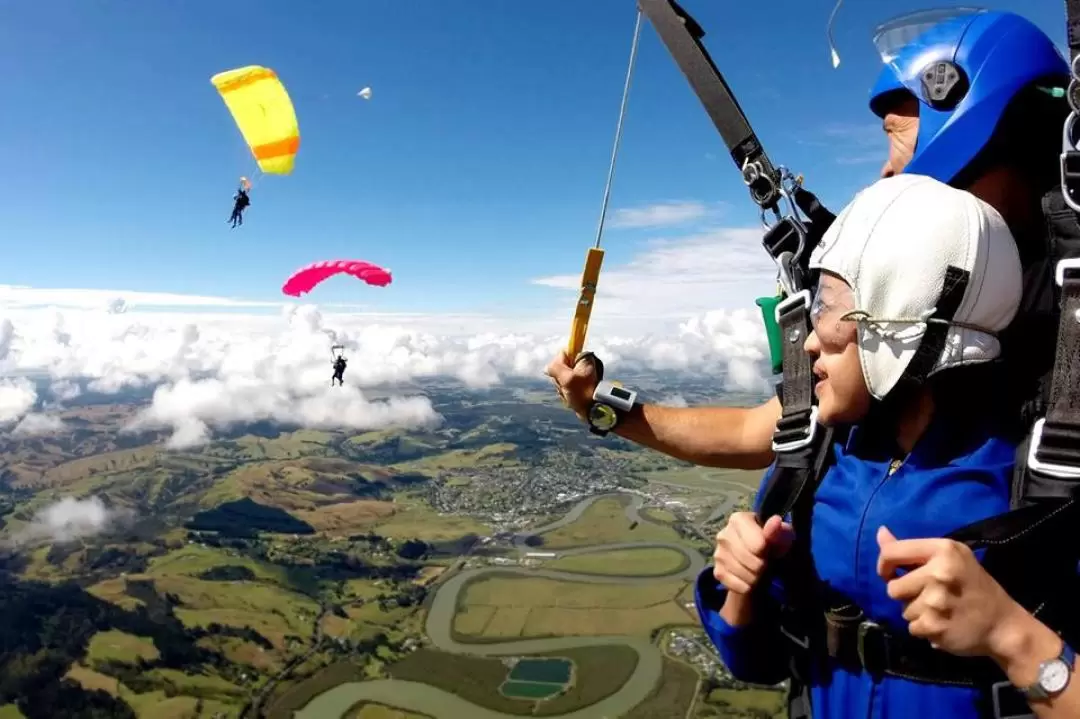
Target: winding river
x=426 y=699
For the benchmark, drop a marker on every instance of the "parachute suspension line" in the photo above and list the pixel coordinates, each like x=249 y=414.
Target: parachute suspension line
x=828 y=34
x=590 y=275
x=619 y=128
x=256 y=175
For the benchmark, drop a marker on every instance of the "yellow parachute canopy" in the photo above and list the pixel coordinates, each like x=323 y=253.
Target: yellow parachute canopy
x=264 y=113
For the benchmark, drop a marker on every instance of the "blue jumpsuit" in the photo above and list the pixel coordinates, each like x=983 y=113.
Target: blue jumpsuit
x=947 y=481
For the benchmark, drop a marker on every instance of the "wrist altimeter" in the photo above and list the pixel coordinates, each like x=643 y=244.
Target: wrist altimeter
x=611 y=401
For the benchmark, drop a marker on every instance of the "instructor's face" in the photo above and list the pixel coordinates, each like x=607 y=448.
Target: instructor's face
x=901 y=126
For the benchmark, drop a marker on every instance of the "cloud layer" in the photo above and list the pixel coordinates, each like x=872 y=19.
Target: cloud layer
x=69 y=519
x=682 y=305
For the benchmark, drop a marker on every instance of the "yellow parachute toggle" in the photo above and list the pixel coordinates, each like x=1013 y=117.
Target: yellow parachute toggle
x=264 y=113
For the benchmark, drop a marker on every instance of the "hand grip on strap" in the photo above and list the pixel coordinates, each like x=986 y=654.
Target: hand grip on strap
x=597 y=363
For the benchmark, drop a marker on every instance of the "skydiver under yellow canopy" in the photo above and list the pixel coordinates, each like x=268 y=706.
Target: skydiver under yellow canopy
x=242 y=201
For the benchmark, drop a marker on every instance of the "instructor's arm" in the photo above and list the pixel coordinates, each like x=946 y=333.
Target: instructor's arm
x=729 y=437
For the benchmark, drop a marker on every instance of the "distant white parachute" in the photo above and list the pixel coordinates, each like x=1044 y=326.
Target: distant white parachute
x=365 y=93
x=116 y=306
x=829 y=34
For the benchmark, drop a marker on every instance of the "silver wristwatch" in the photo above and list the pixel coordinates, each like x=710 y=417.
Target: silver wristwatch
x=1054 y=675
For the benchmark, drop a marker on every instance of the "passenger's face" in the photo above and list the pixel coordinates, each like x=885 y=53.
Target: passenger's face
x=901 y=126
x=841 y=389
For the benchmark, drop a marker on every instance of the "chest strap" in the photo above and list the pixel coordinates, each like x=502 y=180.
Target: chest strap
x=861 y=645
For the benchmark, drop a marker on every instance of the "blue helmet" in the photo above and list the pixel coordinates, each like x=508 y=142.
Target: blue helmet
x=964 y=66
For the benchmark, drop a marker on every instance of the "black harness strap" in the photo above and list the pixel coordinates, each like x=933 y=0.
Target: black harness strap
x=796 y=440
x=801 y=446
x=933 y=340
x=1054 y=451
x=682 y=35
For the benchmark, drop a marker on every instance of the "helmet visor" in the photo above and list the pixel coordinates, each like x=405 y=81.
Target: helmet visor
x=892 y=36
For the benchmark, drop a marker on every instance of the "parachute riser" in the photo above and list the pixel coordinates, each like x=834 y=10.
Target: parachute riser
x=772 y=187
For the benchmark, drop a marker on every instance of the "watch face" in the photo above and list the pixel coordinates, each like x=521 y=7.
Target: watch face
x=1054 y=676
x=602 y=417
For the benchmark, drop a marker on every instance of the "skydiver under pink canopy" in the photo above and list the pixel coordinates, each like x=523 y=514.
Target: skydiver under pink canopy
x=339 y=371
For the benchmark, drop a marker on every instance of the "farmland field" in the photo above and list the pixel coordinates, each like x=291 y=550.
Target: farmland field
x=605 y=522
x=643 y=562
x=520 y=607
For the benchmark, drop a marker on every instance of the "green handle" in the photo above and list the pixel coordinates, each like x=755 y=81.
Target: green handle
x=772 y=331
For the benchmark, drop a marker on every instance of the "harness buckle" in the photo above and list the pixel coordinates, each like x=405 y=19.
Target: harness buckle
x=1009 y=703
x=1070 y=165
x=1063 y=266
x=808 y=432
x=1050 y=469
x=866 y=629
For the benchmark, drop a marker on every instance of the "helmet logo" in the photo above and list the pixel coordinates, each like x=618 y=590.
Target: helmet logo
x=943 y=84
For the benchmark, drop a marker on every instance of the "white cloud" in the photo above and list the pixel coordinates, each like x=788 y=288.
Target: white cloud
x=681 y=305
x=661 y=214
x=17 y=397
x=190 y=408
x=64 y=390
x=68 y=519
x=675 y=279
x=7 y=334
x=35 y=424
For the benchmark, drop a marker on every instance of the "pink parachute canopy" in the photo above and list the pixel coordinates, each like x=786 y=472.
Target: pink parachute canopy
x=305 y=279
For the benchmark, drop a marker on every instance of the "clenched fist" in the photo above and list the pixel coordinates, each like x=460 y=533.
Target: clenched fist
x=574 y=381
x=744 y=548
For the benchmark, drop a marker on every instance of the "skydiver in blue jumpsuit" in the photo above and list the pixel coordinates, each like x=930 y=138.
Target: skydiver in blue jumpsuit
x=876 y=496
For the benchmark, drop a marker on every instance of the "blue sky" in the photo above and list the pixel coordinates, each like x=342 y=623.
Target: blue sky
x=477 y=166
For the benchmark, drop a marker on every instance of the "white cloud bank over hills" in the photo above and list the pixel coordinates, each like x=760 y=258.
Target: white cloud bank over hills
x=69 y=519
x=684 y=305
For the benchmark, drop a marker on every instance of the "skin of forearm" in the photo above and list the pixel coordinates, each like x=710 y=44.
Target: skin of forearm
x=738 y=609
x=1023 y=643
x=727 y=437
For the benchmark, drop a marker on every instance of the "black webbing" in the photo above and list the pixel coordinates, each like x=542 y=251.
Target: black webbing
x=795 y=468
x=798 y=393
x=933 y=340
x=1059 y=441
x=682 y=37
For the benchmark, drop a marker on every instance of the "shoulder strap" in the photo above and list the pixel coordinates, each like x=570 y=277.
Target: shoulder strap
x=1031 y=550
x=1048 y=469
